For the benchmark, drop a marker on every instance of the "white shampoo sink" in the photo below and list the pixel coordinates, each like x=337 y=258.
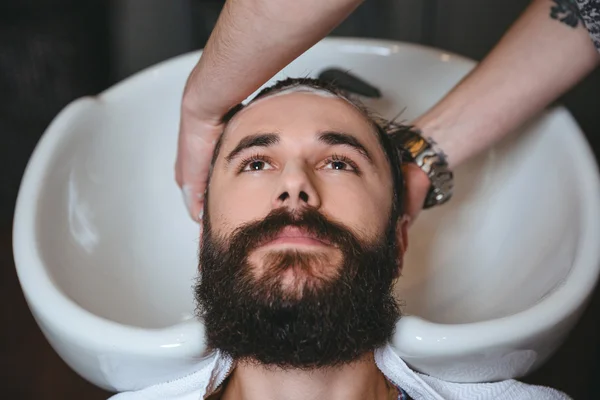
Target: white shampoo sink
x=107 y=255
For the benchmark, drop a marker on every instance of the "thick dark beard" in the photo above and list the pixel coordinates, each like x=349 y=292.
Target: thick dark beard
x=329 y=323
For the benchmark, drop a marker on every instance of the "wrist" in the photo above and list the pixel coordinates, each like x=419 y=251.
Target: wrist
x=440 y=124
x=201 y=101
x=193 y=107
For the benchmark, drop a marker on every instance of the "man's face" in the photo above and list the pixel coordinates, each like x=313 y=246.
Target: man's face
x=305 y=159
x=299 y=241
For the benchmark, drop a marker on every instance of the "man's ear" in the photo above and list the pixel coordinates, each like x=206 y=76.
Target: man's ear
x=402 y=240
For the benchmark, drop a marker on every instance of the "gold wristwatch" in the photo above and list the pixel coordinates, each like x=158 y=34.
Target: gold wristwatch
x=432 y=160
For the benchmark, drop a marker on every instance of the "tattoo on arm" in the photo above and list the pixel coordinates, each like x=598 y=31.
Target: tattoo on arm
x=567 y=12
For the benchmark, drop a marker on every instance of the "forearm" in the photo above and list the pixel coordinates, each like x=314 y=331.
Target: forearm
x=251 y=42
x=536 y=61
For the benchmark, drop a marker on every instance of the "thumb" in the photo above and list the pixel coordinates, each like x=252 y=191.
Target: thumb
x=193 y=196
x=195 y=149
x=417 y=187
x=192 y=170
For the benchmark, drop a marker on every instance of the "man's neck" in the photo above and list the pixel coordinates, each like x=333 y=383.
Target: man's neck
x=360 y=380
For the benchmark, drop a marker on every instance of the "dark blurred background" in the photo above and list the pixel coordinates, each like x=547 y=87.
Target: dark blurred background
x=54 y=51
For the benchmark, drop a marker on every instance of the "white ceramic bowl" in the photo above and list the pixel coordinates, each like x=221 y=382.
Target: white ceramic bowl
x=106 y=254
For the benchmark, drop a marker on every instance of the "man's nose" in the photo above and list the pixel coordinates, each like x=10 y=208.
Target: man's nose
x=296 y=189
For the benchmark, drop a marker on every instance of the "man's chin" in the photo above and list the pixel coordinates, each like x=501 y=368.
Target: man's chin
x=297 y=268
x=295 y=280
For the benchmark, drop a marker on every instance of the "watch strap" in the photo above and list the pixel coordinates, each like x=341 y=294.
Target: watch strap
x=425 y=153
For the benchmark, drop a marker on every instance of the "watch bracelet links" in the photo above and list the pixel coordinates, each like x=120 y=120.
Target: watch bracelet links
x=413 y=147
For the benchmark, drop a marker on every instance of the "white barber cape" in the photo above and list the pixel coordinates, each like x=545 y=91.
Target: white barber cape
x=418 y=386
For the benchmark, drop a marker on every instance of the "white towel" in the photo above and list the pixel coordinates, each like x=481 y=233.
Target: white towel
x=417 y=385
x=424 y=387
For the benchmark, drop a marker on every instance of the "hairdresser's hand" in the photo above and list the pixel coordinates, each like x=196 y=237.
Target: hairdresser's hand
x=197 y=138
x=417 y=186
x=251 y=42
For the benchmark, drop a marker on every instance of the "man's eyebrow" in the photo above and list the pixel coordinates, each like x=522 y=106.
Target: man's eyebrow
x=258 y=140
x=345 y=139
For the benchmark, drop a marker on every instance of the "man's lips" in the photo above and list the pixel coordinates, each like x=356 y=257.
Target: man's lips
x=297 y=236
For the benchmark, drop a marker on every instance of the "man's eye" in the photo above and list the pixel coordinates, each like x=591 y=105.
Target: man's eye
x=255 y=164
x=340 y=163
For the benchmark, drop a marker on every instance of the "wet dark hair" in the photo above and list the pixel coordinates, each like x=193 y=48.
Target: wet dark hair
x=385 y=130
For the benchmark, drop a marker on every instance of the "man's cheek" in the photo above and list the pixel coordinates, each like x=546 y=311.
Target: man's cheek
x=240 y=209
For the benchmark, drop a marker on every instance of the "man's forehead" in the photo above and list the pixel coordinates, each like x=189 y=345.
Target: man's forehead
x=298 y=89
x=301 y=107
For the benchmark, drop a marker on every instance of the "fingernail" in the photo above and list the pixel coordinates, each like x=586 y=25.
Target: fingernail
x=186 y=191
x=200 y=215
x=200 y=196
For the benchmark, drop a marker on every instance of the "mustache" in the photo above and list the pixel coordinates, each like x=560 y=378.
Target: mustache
x=309 y=219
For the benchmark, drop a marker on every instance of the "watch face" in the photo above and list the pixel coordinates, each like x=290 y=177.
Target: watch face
x=410 y=142
x=416 y=145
